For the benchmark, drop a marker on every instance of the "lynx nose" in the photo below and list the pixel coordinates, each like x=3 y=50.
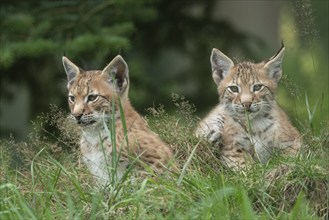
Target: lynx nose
x=246 y=105
x=77 y=116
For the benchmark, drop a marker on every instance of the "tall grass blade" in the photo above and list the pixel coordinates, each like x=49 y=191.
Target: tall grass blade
x=113 y=144
x=32 y=166
x=310 y=112
x=123 y=121
x=72 y=180
x=21 y=207
x=189 y=159
x=246 y=205
x=299 y=210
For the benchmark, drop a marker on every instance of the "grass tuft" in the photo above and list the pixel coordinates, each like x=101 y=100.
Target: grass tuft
x=43 y=178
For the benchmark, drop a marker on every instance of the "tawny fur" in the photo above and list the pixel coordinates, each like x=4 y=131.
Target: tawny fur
x=248 y=123
x=92 y=97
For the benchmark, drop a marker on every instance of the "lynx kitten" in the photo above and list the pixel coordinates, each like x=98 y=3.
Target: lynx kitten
x=94 y=99
x=248 y=121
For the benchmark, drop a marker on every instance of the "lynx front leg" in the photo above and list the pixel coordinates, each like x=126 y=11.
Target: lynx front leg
x=238 y=151
x=290 y=146
x=212 y=129
x=235 y=158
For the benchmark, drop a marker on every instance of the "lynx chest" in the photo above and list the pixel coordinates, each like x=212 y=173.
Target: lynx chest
x=96 y=153
x=256 y=137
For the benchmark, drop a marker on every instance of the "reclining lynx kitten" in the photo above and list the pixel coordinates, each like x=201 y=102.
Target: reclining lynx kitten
x=248 y=121
x=91 y=97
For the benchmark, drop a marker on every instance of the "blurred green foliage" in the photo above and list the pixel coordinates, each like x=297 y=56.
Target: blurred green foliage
x=34 y=36
x=166 y=44
x=305 y=90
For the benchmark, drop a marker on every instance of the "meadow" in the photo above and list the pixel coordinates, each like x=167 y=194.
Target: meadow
x=44 y=177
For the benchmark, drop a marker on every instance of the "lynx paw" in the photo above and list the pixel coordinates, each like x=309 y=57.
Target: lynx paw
x=214 y=137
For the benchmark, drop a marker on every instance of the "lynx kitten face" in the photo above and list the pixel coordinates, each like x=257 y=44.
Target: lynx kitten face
x=94 y=98
x=91 y=93
x=248 y=121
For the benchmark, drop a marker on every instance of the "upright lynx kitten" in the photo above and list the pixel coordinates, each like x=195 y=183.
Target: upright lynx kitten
x=91 y=96
x=248 y=121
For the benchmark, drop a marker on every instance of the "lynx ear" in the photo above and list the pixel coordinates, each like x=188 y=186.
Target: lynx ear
x=220 y=64
x=117 y=71
x=273 y=66
x=70 y=68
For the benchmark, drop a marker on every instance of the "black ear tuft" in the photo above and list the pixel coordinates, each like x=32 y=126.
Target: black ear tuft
x=274 y=65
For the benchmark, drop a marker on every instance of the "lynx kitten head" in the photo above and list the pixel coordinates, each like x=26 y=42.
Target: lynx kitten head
x=246 y=87
x=92 y=93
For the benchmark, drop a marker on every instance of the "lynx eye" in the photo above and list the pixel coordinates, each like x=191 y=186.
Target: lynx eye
x=257 y=87
x=233 y=89
x=92 y=98
x=71 y=98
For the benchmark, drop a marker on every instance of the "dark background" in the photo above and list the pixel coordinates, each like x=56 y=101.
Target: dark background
x=166 y=43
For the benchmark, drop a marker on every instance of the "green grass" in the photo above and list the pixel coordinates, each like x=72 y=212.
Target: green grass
x=44 y=178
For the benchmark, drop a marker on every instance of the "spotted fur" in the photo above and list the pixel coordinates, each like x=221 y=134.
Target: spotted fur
x=248 y=123
x=94 y=100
